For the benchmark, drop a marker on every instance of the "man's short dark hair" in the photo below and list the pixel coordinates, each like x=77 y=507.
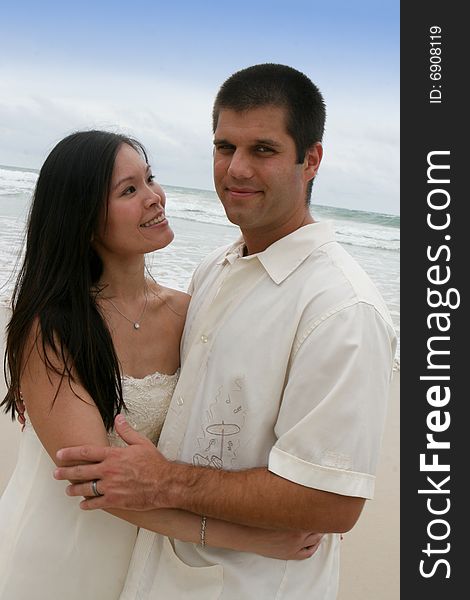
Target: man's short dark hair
x=281 y=86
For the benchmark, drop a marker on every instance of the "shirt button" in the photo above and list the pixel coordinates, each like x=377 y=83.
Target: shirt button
x=204 y=339
x=180 y=401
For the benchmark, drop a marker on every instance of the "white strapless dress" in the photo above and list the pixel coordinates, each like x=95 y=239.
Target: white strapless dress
x=49 y=548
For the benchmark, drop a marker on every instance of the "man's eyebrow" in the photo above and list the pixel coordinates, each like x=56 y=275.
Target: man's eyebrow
x=267 y=142
x=260 y=142
x=129 y=178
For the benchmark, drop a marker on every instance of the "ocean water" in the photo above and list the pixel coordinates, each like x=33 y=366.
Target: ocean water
x=200 y=225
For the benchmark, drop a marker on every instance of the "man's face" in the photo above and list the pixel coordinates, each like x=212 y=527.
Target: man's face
x=256 y=174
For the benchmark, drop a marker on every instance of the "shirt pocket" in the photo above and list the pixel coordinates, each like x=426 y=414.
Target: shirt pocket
x=156 y=572
x=175 y=579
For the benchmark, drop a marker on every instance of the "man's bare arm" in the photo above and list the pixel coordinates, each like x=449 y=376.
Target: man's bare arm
x=138 y=477
x=259 y=497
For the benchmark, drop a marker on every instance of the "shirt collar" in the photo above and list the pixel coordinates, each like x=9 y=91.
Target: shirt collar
x=284 y=256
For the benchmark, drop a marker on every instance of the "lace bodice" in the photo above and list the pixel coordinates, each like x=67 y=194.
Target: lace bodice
x=147 y=402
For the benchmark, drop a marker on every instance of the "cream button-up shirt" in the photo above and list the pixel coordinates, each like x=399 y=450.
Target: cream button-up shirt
x=286 y=362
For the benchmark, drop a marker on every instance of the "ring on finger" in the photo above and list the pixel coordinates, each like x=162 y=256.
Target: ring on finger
x=94 y=488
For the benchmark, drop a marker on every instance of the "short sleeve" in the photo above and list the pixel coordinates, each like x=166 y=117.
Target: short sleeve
x=333 y=409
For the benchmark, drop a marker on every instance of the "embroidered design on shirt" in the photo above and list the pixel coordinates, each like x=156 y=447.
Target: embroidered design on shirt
x=224 y=421
x=336 y=460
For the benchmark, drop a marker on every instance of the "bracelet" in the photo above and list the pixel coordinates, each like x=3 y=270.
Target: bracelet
x=203 y=531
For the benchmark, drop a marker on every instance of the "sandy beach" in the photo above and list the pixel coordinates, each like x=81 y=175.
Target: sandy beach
x=370 y=553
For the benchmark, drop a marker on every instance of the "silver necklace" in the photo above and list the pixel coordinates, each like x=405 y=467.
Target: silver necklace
x=135 y=324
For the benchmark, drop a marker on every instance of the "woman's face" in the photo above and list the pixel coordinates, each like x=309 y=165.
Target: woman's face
x=135 y=222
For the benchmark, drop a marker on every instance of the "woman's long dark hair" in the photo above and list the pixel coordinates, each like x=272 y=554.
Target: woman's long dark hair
x=56 y=282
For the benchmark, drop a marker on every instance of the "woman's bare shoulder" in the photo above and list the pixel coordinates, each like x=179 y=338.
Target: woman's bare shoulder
x=176 y=300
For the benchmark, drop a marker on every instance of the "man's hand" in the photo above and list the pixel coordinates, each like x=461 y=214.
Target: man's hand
x=139 y=477
x=127 y=478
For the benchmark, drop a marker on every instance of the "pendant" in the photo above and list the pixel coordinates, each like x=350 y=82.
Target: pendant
x=136 y=326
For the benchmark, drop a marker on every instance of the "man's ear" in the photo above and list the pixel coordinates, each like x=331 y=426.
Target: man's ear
x=312 y=160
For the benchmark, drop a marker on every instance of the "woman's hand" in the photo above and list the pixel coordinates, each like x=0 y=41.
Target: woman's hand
x=284 y=544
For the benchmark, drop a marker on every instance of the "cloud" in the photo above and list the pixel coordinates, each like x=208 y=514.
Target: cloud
x=361 y=164
x=173 y=120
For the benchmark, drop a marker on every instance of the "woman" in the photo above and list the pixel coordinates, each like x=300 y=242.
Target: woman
x=91 y=336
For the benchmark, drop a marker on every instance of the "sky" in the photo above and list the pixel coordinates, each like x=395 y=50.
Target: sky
x=151 y=69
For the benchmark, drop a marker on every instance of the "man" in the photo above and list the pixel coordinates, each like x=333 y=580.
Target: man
x=287 y=354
